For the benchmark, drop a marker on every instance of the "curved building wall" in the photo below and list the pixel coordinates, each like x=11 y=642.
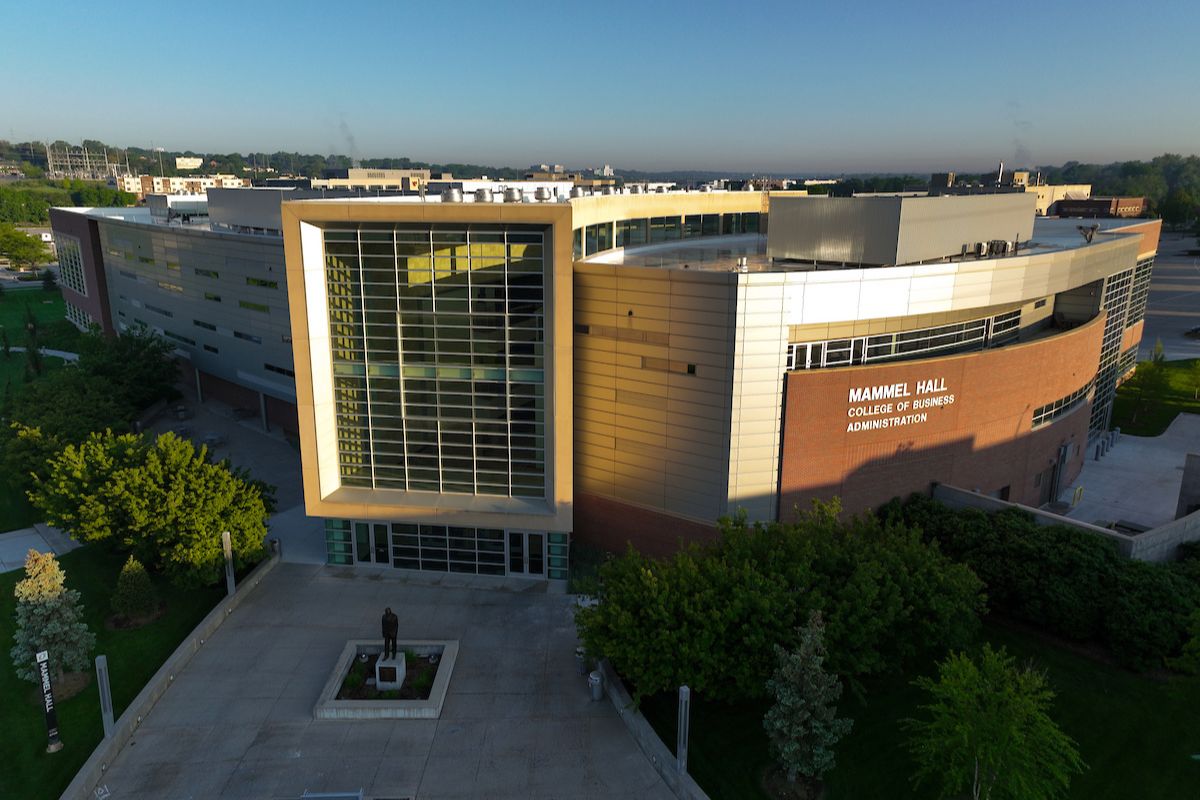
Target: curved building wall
x=871 y=433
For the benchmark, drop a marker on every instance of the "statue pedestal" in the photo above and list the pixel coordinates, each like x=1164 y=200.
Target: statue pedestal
x=389 y=672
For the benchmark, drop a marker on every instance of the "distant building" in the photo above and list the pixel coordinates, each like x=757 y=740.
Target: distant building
x=1103 y=207
x=1048 y=197
x=142 y=185
x=188 y=162
x=397 y=180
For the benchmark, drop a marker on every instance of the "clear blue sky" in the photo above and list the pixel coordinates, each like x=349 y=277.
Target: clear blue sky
x=800 y=86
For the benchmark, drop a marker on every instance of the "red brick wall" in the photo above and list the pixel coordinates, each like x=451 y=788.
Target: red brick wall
x=983 y=440
x=611 y=524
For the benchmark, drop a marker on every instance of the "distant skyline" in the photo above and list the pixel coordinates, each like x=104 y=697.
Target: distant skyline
x=765 y=87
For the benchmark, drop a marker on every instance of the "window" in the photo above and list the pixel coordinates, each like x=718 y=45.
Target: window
x=280 y=370
x=249 y=337
x=211 y=349
x=79 y=317
x=178 y=338
x=208 y=326
x=170 y=287
x=127 y=274
x=146 y=259
x=216 y=298
x=70 y=263
x=260 y=307
x=158 y=310
x=208 y=273
x=263 y=283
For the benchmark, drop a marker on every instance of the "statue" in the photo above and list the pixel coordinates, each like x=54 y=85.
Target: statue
x=391 y=626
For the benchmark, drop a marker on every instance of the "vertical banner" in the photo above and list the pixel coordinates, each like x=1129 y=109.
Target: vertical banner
x=43 y=664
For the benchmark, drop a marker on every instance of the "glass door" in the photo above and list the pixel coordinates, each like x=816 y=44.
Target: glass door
x=380 y=531
x=526 y=553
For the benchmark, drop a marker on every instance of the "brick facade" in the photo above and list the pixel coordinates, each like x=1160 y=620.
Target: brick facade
x=982 y=440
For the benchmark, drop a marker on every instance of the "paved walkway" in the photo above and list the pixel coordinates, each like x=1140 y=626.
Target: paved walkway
x=518 y=721
x=1139 y=478
x=63 y=354
x=14 y=545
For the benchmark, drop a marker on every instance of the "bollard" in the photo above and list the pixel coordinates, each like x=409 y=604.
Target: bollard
x=106 y=706
x=1097 y=452
x=230 y=587
x=276 y=546
x=682 y=725
x=596 y=684
x=581 y=661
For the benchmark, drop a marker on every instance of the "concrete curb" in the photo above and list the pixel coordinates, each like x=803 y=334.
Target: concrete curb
x=660 y=757
x=92 y=771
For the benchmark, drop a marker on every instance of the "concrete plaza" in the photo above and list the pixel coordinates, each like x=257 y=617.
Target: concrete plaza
x=518 y=721
x=1138 y=479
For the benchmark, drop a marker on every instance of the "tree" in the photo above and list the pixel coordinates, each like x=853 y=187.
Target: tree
x=1178 y=208
x=988 y=732
x=139 y=362
x=61 y=408
x=802 y=726
x=49 y=284
x=22 y=250
x=134 y=595
x=49 y=617
x=165 y=502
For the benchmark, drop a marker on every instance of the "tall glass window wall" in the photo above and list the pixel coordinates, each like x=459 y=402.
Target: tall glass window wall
x=438 y=348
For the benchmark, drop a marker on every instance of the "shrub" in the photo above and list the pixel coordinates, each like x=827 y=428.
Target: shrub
x=711 y=616
x=135 y=595
x=1067 y=581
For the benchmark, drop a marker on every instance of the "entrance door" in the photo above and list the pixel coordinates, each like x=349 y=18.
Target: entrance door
x=526 y=553
x=371 y=543
x=380 y=532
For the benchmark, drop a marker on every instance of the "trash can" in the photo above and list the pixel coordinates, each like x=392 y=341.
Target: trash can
x=581 y=661
x=596 y=684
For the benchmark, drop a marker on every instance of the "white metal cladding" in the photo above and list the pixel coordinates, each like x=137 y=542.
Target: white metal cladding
x=893 y=230
x=848 y=295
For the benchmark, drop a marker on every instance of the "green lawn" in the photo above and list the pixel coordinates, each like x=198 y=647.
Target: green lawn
x=1150 y=414
x=1135 y=733
x=49 y=310
x=26 y=770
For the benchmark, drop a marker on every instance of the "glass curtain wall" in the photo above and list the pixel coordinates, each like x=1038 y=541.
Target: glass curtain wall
x=438 y=349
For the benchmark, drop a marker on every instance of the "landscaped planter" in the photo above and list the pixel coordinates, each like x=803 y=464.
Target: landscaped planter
x=420 y=697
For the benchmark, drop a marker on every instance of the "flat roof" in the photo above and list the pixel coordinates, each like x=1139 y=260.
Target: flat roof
x=721 y=253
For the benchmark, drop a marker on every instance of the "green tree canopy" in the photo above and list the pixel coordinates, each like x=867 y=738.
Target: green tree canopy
x=139 y=362
x=165 y=502
x=987 y=731
x=22 y=250
x=710 y=617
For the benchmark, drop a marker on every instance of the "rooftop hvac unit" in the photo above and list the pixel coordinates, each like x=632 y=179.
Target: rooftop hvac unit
x=607 y=190
x=981 y=249
x=661 y=190
x=635 y=189
x=483 y=195
x=542 y=194
x=512 y=195
x=999 y=247
x=576 y=191
x=452 y=196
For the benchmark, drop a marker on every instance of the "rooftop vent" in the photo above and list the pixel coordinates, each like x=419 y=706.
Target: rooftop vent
x=542 y=194
x=512 y=195
x=452 y=196
x=483 y=195
x=606 y=190
x=635 y=189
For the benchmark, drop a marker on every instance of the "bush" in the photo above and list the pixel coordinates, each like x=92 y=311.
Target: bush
x=1069 y=582
x=711 y=616
x=135 y=595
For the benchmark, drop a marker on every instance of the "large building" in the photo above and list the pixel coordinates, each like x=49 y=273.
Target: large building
x=143 y=185
x=478 y=383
